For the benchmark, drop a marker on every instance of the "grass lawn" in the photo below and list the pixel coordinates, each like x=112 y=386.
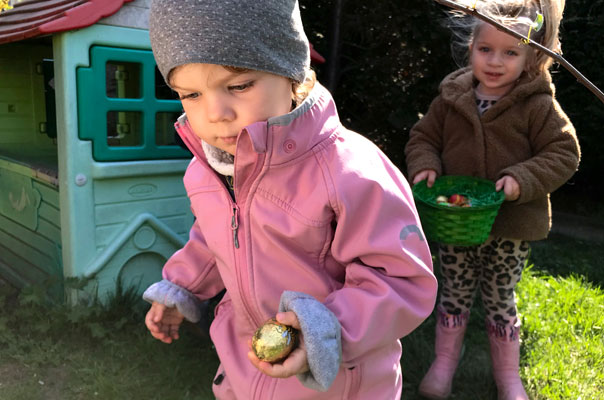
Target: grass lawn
x=106 y=353
x=561 y=302
x=96 y=353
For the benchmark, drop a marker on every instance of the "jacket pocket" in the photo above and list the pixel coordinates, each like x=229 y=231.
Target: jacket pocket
x=221 y=313
x=222 y=308
x=221 y=386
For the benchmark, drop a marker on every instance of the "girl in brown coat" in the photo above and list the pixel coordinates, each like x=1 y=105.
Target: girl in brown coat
x=496 y=119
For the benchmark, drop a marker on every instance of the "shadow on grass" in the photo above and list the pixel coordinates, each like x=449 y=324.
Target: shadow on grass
x=558 y=256
x=96 y=351
x=565 y=256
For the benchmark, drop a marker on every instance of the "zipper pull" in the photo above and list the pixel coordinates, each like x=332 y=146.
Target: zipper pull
x=235 y=225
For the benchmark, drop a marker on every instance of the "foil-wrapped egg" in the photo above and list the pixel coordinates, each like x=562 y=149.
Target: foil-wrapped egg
x=442 y=200
x=273 y=341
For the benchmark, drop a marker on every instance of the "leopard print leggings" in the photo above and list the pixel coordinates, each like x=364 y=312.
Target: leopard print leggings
x=496 y=265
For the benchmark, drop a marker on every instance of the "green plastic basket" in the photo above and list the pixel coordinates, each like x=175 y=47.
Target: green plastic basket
x=463 y=226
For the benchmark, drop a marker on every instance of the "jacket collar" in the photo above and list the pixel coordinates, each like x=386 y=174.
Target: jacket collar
x=458 y=89
x=281 y=138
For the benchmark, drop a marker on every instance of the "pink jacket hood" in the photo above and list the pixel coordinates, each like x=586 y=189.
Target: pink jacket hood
x=321 y=210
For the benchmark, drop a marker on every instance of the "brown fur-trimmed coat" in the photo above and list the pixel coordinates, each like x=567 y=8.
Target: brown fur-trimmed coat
x=526 y=135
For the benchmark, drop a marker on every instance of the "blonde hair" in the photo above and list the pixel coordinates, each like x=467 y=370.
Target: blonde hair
x=517 y=15
x=302 y=89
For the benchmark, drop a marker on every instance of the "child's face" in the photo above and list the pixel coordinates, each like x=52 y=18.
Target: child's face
x=497 y=60
x=220 y=103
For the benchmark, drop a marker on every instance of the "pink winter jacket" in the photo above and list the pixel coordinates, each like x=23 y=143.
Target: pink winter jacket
x=320 y=210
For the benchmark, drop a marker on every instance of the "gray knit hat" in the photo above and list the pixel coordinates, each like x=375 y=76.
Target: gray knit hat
x=264 y=35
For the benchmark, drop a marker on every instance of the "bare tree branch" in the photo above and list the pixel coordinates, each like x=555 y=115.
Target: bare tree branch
x=333 y=63
x=472 y=11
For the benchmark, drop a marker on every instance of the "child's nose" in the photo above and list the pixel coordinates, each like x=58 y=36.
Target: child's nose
x=495 y=59
x=218 y=109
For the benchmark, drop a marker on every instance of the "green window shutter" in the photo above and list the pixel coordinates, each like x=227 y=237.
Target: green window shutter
x=118 y=109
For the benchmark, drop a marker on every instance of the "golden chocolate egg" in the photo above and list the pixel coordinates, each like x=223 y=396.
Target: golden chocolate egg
x=273 y=341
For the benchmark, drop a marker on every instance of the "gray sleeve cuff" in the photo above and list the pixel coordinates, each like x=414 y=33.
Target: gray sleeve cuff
x=322 y=337
x=172 y=295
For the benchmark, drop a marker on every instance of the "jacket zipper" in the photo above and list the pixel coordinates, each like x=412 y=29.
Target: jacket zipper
x=237 y=255
x=234 y=221
x=235 y=224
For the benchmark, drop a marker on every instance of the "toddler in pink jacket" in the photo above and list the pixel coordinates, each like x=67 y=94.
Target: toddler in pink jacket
x=296 y=216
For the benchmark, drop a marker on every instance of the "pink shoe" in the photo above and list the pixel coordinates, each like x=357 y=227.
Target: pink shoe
x=450 y=330
x=505 y=357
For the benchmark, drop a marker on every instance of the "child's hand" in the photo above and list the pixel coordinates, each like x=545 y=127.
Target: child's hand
x=510 y=187
x=295 y=363
x=428 y=174
x=163 y=322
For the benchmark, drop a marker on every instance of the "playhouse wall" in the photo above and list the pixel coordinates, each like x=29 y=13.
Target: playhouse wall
x=120 y=220
x=136 y=247
x=24 y=124
x=22 y=108
x=30 y=229
x=30 y=232
x=64 y=213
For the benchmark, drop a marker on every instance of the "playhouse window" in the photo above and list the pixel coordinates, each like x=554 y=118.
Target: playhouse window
x=125 y=108
x=162 y=90
x=123 y=80
x=165 y=134
x=124 y=128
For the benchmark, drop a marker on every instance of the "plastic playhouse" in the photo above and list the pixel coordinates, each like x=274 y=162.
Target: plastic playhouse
x=90 y=167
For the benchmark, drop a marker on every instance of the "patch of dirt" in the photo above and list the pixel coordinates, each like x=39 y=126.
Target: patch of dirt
x=55 y=380
x=52 y=380
x=11 y=372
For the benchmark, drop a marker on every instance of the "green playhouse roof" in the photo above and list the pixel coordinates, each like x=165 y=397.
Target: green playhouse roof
x=31 y=18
